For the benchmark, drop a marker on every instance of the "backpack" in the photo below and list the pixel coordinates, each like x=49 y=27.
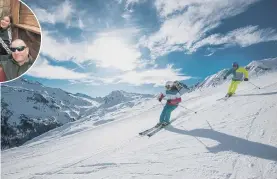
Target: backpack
x=179 y=86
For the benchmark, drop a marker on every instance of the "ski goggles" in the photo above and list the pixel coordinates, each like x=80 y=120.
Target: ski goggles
x=20 y=48
x=167 y=86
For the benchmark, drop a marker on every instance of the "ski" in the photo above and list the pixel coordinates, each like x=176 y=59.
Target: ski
x=156 y=130
x=224 y=98
x=149 y=130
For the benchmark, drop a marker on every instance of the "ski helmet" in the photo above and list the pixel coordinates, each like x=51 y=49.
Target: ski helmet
x=168 y=84
x=235 y=64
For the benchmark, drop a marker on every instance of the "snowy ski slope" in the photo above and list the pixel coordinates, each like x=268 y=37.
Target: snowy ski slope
x=242 y=143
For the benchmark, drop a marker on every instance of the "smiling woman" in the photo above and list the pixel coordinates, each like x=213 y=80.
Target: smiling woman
x=20 y=39
x=5 y=35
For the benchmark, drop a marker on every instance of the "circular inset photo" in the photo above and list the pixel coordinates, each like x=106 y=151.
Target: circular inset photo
x=20 y=39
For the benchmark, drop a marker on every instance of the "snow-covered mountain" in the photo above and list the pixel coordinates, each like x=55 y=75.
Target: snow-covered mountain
x=232 y=139
x=213 y=80
x=254 y=68
x=117 y=97
x=30 y=109
x=262 y=66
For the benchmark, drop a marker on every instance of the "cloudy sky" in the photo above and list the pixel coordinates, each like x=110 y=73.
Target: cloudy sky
x=96 y=46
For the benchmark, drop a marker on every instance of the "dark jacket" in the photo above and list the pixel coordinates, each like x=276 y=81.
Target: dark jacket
x=11 y=67
x=5 y=41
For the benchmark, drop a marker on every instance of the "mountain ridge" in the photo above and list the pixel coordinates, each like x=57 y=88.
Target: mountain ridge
x=28 y=107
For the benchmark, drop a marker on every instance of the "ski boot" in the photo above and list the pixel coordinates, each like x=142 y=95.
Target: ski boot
x=165 y=123
x=228 y=95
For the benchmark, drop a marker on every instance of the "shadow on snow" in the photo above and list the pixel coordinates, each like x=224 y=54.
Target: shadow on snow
x=258 y=94
x=231 y=143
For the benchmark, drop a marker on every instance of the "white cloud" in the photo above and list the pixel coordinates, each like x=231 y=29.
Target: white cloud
x=207 y=8
x=166 y=8
x=210 y=54
x=42 y=69
x=185 y=22
x=80 y=24
x=44 y=16
x=113 y=52
x=62 y=50
x=61 y=13
x=110 y=49
x=127 y=15
x=115 y=49
x=158 y=77
x=128 y=33
x=64 y=13
x=130 y=3
x=243 y=37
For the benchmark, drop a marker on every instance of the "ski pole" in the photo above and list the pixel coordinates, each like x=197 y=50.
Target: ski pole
x=201 y=142
x=184 y=108
x=254 y=85
x=209 y=125
x=188 y=109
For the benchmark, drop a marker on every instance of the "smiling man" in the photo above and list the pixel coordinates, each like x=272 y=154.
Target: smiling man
x=18 y=62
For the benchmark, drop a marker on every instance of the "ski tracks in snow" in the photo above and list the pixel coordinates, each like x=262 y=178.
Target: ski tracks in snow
x=258 y=168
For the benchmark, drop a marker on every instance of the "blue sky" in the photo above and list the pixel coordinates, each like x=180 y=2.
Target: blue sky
x=95 y=47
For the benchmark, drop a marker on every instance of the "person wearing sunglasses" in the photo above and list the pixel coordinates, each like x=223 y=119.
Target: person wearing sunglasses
x=5 y=35
x=173 y=98
x=239 y=74
x=18 y=62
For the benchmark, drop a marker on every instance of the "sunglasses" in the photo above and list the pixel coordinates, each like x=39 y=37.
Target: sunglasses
x=20 y=48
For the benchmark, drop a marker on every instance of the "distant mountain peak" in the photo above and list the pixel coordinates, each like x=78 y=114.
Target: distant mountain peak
x=83 y=95
x=24 y=80
x=116 y=93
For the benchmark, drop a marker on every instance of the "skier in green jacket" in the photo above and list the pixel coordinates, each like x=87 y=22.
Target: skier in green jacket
x=239 y=74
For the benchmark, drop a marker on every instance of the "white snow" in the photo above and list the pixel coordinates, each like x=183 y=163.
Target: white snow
x=242 y=143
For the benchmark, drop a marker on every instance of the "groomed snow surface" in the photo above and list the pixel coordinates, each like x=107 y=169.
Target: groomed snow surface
x=239 y=143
